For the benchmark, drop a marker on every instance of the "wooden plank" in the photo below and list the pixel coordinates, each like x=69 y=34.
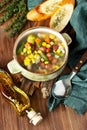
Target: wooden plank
x=62 y=118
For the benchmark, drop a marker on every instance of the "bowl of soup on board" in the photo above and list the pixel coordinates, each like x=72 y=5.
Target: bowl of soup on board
x=39 y=54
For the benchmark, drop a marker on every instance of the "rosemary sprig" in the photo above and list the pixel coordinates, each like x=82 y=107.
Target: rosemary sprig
x=19 y=23
x=2 y=10
x=17 y=27
x=10 y=9
x=16 y=10
x=15 y=17
x=3 y=3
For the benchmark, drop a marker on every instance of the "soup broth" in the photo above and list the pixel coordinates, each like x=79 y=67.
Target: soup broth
x=41 y=53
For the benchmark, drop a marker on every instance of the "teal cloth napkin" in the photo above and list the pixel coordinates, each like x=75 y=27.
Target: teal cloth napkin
x=77 y=99
x=32 y=3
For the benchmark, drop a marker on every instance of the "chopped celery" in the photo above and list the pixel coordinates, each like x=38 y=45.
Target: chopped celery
x=21 y=48
x=39 y=45
x=43 y=55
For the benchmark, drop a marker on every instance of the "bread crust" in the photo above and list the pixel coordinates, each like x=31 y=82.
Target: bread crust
x=44 y=10
x=61 y=17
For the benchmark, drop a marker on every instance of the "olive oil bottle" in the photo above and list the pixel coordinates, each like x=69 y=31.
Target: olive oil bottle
x=18 y=98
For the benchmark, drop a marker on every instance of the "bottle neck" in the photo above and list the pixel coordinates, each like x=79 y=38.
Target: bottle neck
x=35 y=118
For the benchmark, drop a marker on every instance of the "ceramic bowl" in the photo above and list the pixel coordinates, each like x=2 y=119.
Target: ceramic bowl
x=15 y=67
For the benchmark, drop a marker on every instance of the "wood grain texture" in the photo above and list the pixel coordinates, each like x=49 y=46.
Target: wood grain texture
x=62 y=118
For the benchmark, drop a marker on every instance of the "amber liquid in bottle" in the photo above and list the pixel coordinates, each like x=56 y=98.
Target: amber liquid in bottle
x=18 y=98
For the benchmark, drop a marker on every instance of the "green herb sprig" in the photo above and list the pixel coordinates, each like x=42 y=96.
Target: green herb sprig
x=4 y=3
x=16 y=10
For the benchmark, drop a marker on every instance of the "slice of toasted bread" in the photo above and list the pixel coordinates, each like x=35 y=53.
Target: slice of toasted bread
x=43 y=10
x=61 y=17
x=67 y=2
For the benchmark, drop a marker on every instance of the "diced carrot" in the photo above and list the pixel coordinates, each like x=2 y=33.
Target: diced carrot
x=27 y=44
x=37 y=40
x=47 y=50
x=47 y=40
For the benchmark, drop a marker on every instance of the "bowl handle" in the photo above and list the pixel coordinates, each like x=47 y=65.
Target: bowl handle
x=13 y=67
x=67 y=38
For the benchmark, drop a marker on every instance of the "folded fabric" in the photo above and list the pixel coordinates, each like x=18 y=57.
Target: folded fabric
x=77 y=99
x=78 y=96
x=79 y=24
x=32 y=3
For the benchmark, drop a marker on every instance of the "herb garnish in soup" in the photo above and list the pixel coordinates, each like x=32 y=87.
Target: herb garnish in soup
x=41 y=53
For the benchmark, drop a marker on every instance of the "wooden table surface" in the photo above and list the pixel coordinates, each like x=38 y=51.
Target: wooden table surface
x=62 y=118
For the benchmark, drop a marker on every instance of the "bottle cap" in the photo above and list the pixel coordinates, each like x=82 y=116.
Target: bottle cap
x=35 y=118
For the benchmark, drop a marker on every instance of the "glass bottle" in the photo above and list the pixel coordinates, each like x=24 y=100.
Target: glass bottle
x=18 y=98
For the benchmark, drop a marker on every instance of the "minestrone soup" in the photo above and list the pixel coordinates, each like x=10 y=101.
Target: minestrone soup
x=41 y=53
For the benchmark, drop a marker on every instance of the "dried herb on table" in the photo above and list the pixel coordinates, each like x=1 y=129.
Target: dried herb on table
x=3 y=3
x=15 y=11
x=10 y=9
